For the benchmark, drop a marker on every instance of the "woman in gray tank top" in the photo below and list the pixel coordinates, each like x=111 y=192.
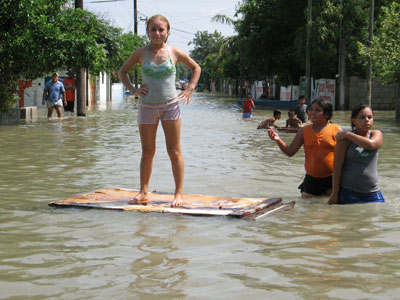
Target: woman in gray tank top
x=159 y=102
x=355 y=170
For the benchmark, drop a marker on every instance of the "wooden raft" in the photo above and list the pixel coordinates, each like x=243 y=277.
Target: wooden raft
x=199 y=205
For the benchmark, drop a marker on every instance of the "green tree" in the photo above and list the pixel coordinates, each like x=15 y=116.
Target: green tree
x=129 y=42
x=182 y=72
x=205 y=52
x=385 y=49
x=267 y=32
x=38 y=37
x=272 y=37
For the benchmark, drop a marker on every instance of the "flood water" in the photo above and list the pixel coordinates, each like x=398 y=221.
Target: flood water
x=314 y=251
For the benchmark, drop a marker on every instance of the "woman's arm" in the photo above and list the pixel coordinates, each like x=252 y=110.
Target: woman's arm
x=182 y=57
x=294 y=145
x=133 y=60
x=340 y=153
x=375 y=142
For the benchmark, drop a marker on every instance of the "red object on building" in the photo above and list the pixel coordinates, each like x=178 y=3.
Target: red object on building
x=22 y=85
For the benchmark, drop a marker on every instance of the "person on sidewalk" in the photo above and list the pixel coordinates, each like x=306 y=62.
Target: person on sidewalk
x=301 y=110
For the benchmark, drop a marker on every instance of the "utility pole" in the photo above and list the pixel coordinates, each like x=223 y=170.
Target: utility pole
x=342 y=74
x=80 y=81
x=135 y=31
x=342 y=62
x=370 y=36
x=308 y=68
x=135 y=26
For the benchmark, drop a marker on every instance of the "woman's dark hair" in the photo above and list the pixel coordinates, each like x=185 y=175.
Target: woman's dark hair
x=326 y=107
x=277 y=112
x=356 y=110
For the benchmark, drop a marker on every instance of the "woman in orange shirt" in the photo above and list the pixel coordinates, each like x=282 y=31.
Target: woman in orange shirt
x=319 y=140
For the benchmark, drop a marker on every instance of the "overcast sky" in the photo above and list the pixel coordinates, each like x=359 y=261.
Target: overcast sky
x=185 y=16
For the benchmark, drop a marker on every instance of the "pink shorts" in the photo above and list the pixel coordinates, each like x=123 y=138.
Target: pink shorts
x=151 y=113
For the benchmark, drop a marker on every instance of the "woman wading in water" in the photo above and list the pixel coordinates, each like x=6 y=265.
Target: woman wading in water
x=319 y=140
x=159 y=102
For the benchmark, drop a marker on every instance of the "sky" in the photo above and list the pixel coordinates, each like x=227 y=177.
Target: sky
x=186 y=17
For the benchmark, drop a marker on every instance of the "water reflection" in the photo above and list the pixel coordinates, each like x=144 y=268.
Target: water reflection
x=314 y=251
x=156 y=273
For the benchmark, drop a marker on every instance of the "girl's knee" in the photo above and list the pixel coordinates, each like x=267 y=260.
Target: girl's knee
x=174 y=153
x=148 y=153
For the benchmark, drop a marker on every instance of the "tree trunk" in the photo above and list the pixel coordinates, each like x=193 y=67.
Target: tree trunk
x=342 y=75
x=398 y=102
x=81 y=92
x=308 y=51
x=80 y=80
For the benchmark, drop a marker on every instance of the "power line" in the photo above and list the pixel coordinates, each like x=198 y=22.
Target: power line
x=191 y=20
x=191 y=33
x=176 y=29
x=161 y=10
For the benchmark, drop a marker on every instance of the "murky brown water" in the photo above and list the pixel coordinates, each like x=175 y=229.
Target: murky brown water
x=315 y=251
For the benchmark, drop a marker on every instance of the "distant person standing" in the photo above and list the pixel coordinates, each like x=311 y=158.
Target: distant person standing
x=247 y=106
x=301 y=109
x=70 y=86
x=54 y=95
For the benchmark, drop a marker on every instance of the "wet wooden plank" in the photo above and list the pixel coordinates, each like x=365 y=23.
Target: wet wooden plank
x=198 y=205
x=276 y=208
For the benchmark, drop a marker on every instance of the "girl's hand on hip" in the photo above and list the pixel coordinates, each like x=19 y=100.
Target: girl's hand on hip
x=142 y=91
x=185 y=96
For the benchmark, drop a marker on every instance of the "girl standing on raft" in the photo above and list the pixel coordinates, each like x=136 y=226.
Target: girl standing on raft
x=355 y=173
x=159 y=101
x=319 y=141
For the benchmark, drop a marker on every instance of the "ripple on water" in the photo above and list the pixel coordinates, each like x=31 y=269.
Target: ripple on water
x=314 y=251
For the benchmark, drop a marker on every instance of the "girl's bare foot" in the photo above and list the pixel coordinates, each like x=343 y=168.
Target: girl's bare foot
x=140 y=198
x=178 y=200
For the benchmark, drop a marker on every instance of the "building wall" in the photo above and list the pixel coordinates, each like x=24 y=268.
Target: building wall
x=10 y=118
x=383 y=96
x=99 y=89
x=33 y=95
